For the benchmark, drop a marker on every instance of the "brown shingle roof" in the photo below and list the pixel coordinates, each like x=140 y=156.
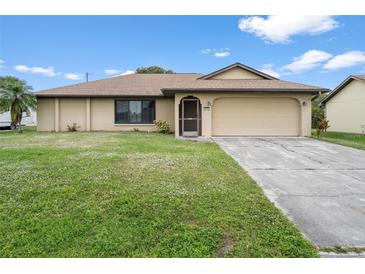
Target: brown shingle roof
x=126 y=85
x=167 y=84
x=243 y=85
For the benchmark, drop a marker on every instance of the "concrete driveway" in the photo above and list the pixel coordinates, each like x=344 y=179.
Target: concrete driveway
x=320 y=186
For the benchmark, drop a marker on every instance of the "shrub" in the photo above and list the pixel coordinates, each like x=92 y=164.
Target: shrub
x=74 y=127
x=323 y=125
x=162 y=127
x=135 y=129
x=317 y=110
x=317 y=115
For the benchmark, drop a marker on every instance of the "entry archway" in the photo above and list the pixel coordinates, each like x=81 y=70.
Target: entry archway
x=190 y=117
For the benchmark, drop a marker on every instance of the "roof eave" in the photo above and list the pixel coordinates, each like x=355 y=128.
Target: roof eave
x=168 y=91
x=95 y=96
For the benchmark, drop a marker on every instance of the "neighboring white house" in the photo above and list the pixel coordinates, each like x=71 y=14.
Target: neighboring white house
x=28 y=120
x=345 y=106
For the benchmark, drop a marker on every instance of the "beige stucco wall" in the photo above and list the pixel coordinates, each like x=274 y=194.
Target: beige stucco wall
x=237 y=73
x=96 y=114
x=72 y=110
x=102 y=115
x=45 y=114
x=208 y=99
x=165 y=111
x=346 y=110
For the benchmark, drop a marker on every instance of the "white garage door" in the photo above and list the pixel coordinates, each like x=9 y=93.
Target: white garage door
x=256 y=117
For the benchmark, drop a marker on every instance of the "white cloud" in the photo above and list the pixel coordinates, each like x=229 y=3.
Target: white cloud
x=127 y=72
x=112 y=71
x=49 y=72
x=222 y=54
x=279 y=28
x=206 y=51
x=307 y=61
x=268 y=69
x=2 y=61
x=346 y=60
x=73 y=76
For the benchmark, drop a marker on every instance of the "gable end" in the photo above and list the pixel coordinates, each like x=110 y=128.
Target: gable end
x=237 y=71
x=342 y=86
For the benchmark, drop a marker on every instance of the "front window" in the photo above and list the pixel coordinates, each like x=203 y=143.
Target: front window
x=134 y=111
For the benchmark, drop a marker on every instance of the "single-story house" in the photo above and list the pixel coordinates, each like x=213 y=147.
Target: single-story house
x=234 y=101
x=345 y=106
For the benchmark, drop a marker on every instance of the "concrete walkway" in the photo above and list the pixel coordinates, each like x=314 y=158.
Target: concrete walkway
x=320 y=186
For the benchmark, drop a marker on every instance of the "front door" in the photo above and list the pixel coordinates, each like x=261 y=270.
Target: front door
x=190 y=117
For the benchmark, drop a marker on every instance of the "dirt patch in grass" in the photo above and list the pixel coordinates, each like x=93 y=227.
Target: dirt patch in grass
x=227 y=245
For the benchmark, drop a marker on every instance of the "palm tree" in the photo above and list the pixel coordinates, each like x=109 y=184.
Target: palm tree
x=17 y=97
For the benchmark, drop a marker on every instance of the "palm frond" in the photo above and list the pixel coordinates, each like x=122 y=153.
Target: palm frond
x=16 y=96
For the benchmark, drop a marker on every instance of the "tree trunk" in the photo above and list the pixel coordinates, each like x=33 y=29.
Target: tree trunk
x=19 y=122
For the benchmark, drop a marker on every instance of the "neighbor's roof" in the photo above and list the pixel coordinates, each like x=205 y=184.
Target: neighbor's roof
x=168 y=84
x=342 y=85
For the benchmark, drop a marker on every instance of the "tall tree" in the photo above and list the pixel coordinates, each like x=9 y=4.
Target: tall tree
x=154 y=69
x=17 y=97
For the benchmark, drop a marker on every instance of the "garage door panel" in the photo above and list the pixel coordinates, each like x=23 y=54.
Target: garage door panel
x=256 y=117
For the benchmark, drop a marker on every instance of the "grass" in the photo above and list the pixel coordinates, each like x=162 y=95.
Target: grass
x=133 y=195
x=345 y=139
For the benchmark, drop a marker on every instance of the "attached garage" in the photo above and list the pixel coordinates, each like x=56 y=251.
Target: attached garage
x=256 y=117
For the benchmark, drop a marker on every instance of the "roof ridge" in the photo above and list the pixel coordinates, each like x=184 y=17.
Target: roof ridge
x=165 y=73
x=240 y=79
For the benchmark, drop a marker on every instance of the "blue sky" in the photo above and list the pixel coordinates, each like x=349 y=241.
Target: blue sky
x=51 y=51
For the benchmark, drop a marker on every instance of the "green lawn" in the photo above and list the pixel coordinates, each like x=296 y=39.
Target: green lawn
x=133 y=195
x=346 y=139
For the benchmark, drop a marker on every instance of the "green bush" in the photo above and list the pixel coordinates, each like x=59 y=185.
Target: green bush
x=317 y=111
x=317 y=115
x=162 y=127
